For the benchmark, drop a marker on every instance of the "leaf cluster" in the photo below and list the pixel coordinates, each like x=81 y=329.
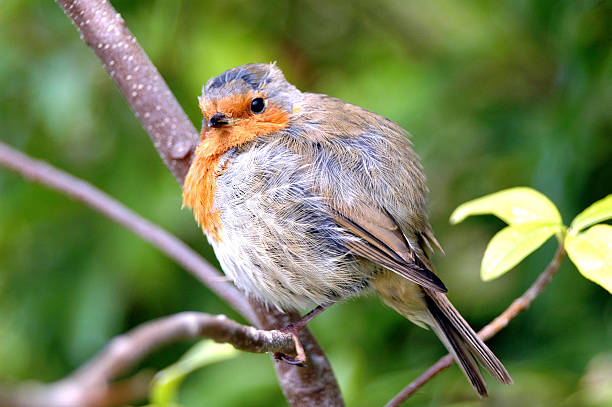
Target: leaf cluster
x=532 y=219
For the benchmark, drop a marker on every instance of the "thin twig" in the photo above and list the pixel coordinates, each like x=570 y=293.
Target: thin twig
x=91 y=385
x=124 y=351
x=41 y=172
x=500 y=322
x=69 y=394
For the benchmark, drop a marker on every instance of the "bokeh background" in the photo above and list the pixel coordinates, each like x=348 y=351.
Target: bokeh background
x=495 y=93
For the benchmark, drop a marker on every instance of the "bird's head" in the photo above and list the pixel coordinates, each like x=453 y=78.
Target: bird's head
x=239 y=105
x=245 y=102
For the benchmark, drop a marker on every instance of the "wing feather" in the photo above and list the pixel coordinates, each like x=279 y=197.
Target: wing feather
x=383 y=242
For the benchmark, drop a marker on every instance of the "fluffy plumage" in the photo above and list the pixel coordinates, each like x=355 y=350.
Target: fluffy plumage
x=315 y=200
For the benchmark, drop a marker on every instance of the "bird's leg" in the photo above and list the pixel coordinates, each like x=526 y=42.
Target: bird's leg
x=294 y=329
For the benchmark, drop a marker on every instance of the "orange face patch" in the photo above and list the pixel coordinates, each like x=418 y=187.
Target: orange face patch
x=200 y=183
x=246 y=124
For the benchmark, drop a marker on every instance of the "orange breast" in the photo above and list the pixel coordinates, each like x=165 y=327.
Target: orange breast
x=201 y=181
x=199 y=191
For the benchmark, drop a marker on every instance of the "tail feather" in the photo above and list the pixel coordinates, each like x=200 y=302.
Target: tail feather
x=431 y=308
x=463 y=342
x=457 y=347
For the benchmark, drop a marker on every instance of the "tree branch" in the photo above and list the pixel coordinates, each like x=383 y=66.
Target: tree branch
x=41 y=172
x=124 y=351
x=105 y=32
x=91 y=385
x=61 y=394
x=320 y=387
x=500 y=322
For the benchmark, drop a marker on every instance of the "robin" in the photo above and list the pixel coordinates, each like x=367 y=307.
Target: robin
x=308 y=200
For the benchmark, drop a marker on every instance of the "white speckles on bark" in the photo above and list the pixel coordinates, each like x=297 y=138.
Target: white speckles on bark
x=180 y=150
x=105 y=31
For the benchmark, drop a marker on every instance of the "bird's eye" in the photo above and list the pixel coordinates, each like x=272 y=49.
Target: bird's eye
x=258 y=105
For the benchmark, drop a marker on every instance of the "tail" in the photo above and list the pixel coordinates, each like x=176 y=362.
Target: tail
x=428 y=307
x=463 y=343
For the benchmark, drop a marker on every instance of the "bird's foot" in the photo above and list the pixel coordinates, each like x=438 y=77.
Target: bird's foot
x=300 y=358
x=294 y=329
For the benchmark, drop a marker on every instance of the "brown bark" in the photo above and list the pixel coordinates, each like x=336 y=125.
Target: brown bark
x=92 y=385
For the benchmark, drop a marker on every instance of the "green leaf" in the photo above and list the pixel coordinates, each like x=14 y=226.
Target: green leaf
x=514 y=206
x=598 y=212
x=512 y=244
x=166 y=382
x=591 y=252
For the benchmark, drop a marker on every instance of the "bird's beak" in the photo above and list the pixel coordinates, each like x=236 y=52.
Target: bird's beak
x=221 y=120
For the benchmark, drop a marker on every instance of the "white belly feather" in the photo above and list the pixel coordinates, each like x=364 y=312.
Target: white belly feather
x=278 y=241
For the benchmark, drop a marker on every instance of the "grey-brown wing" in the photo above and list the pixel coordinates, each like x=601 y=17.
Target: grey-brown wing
x=383 y=242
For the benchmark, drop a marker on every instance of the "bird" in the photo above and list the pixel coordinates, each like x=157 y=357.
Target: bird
x=308 y=200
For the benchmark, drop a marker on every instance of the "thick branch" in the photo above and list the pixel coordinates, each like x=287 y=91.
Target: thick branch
x=91 y=385
x=104 y=30
x=500 y=322
x=322 y=389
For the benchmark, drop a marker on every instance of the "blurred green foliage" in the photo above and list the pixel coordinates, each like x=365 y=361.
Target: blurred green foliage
x=495 y=93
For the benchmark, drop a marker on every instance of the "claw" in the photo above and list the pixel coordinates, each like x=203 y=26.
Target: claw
x=293 y=329
x=288 y=359
x=300 y=358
